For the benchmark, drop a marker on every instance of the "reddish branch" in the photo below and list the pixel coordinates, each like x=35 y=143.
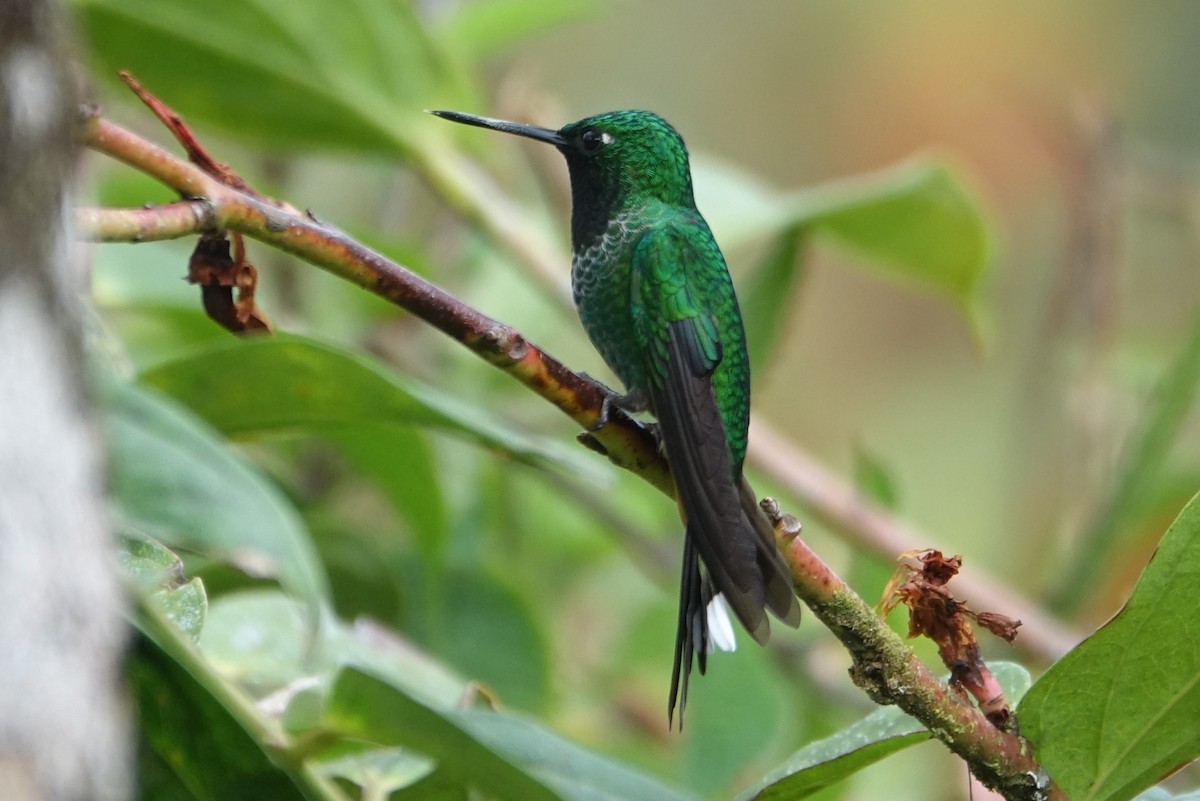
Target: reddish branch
x=883 y=666
x=196 y=152
x=219 y=207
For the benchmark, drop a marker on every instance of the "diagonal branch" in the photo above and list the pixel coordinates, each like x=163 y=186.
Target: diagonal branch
x=837 y=504
x=886 y=669
x=884 y=666
x=218 y=207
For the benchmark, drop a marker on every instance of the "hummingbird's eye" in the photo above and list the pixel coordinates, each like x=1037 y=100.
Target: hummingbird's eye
x=592 y=140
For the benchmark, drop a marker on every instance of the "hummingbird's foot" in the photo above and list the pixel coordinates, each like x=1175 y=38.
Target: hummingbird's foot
x=631 y=402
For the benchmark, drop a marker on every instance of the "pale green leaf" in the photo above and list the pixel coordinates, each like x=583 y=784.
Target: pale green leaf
x=916 y=222
x=159 y=574
x=569 y=770
x=379 y=771
x=500 y=755
x=883 y=732
x=289 y=384
x=875 y=480
x=174 y=478
x=261 y=639
x=768 y=293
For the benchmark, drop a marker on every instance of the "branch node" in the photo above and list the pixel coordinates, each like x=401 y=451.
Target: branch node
x=277 y=222
x=771 y=509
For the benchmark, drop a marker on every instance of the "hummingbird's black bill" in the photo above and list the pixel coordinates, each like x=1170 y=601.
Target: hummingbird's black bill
x=528 y=131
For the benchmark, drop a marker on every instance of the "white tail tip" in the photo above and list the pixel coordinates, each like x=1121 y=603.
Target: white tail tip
x=720 y=627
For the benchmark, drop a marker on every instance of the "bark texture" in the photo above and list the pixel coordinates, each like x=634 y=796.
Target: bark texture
x=63 y=722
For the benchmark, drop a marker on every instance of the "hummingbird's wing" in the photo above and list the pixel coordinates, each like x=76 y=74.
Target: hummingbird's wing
x=680 y=294
x=676 y=328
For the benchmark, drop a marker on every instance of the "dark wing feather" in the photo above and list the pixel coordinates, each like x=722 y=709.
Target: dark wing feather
x=730 y=546
x=780 y=589
x=694 y=436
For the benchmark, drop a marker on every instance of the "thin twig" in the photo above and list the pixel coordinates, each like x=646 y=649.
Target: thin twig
x=148 y=224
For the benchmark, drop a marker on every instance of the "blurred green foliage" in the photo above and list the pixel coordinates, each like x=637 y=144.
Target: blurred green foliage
x=349 y=540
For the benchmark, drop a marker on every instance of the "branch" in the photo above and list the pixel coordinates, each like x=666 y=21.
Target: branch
x=219 y=207
x=886 y=669
x=148 y=224
x=838 y=505
x=884 y=666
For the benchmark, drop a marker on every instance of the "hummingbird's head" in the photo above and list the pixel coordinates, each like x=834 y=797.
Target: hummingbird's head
x=620 y=159
x=634 y=155
x=617 y=159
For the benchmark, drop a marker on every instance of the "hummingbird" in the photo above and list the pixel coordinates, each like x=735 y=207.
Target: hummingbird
x=655 y=297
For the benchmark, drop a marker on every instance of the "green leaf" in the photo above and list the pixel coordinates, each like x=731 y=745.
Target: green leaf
x=148 y=564
x=768 y=293
x=193 y=742
x=491 y=634
x=480 y=30
x=174 y=478
x=379 y=771
x=360 y=705
x=825 y=762
x=880 y=734
x=572 y=772
x=261 y=639
x=1119 y=711
x=159 y=573
x=193 y=746
x=289 y=384
x=411 y=485
x=305 y=78
x=500 y=755
x=875 y=480
x=916 y=222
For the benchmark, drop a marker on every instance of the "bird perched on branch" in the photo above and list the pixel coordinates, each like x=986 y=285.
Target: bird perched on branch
x=656 y=299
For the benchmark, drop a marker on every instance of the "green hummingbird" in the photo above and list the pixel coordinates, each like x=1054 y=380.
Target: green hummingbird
x=655 y=297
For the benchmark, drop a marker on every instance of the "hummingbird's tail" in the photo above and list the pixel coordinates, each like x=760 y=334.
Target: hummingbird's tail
x=730 y=545
x=780 y=589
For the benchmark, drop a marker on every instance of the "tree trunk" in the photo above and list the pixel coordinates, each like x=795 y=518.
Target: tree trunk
x=63 y=722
